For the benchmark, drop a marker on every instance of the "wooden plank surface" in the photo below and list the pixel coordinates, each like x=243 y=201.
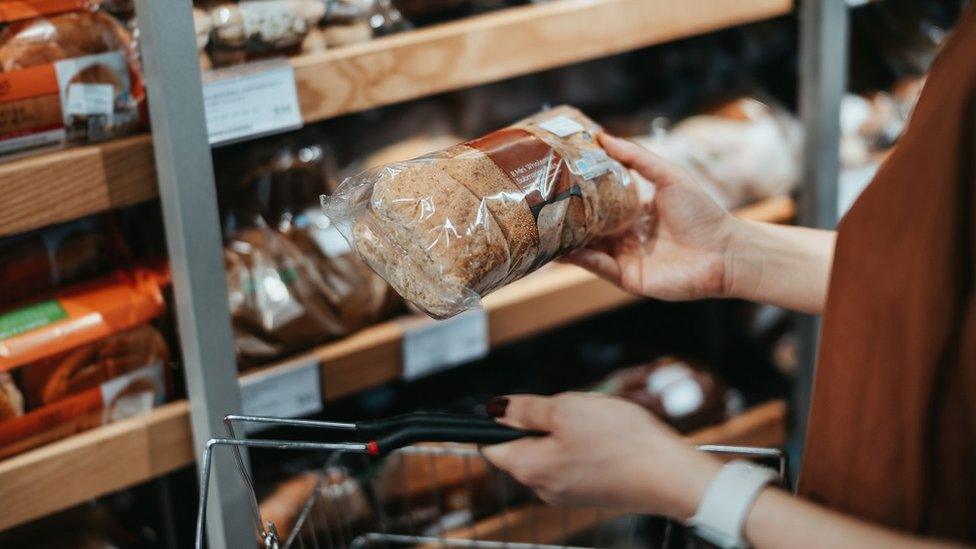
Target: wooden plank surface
x=501 y=45
x=71 y=183
x=87 y=465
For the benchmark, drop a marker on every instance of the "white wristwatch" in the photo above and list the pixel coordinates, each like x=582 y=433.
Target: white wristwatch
x=723 y=510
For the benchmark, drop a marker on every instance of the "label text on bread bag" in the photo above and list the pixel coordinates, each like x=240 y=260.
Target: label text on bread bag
x=531 y=164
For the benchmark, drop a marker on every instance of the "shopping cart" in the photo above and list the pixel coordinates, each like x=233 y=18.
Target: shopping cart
x=419 y=480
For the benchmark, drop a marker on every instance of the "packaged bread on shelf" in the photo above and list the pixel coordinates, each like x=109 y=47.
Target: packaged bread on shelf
x=450 y=227
x=292 y=279
x=81 y=357
x=249 y=29
x=70 y=74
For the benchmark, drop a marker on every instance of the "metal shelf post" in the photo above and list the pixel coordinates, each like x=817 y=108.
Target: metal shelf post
x=186 y=187
x=824 y=28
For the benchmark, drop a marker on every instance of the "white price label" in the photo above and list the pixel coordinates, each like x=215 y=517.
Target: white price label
x=286 y=391
x=257 y=99
x=432 y=346
x=593 y=163
x=90 y=99
x=561 y=126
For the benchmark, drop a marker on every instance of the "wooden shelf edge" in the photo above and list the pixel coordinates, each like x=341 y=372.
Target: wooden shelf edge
x=72 y=183
x=94 y=463
x=763 y=425
x=503 y=44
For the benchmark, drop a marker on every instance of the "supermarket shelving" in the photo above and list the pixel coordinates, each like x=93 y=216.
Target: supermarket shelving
x=112 y=457
x=67 y=184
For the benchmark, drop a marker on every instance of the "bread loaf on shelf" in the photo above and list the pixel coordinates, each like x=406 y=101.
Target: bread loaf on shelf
x=449 y=227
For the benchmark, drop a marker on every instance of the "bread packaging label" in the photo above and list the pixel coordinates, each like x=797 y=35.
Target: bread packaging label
x=447 y=228
x=84 y=98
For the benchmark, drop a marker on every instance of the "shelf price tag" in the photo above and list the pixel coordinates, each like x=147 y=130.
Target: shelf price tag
x=431 y=346
x=250 y=101
x=286 y=391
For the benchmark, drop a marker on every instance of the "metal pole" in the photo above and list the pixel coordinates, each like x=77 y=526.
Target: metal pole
x=186 y=187
x=823 y=81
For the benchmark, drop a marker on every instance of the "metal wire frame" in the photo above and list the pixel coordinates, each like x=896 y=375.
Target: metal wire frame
x=268 y=533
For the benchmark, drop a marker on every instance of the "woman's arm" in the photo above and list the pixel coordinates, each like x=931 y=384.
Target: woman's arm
x=778 y=519
x=696 y=249
x=609 y=452
x=779 y=265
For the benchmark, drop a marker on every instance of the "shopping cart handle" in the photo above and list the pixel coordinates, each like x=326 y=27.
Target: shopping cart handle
x=379 y=428
x=473 y=432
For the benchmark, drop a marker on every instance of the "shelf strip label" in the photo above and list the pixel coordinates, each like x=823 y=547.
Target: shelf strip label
x=252 y=100
x=286 y=391
x=431 y=346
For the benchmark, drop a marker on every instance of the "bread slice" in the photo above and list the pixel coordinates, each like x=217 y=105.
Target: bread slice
x=506 y=202
x=422 y=207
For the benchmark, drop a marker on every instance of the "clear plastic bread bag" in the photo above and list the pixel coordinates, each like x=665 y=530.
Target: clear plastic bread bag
x=447 y=228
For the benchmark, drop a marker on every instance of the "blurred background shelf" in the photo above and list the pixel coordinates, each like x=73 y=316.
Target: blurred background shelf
x=67 y=184
x=500 y=45
x=97 y=462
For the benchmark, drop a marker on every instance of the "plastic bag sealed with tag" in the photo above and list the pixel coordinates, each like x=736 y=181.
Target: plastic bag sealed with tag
x=447 y=228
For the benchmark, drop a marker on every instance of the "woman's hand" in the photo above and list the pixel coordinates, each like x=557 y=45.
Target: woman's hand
x=601 y=451
x=684 y=256
x=695 y=249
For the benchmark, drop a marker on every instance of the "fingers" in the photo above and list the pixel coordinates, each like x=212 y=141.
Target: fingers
x=598 y=262
x=654 y=168
x=520 y=457
x=529 y=412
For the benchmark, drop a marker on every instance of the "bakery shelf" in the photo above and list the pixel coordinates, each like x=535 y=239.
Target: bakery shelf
x=71 y=183
x=97 y=462
x=504 y=44
x=763 y=425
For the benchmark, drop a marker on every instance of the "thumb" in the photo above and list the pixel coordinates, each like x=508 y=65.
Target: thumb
x=652 y=167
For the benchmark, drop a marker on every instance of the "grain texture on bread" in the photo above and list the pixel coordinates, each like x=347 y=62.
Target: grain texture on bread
x=452 y=226
x=506 y=202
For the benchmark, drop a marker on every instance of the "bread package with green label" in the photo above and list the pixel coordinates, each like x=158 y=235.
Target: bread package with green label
x=447 y=228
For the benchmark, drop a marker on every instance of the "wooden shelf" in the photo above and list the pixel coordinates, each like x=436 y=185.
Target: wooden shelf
x=97 y=462
x=72 y=183
x=68 y=184
x=764 y=425
x=504 y=44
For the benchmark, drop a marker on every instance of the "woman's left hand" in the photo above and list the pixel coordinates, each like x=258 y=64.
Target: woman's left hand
x=601 y=451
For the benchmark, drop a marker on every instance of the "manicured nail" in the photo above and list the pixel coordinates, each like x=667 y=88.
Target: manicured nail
x=496 y=406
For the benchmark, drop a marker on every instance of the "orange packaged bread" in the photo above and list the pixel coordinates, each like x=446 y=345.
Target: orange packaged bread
x=86 y=356
x=68 y=73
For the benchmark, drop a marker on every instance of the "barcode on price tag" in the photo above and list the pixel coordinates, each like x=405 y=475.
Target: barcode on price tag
x=433 y=346
x=250 y=100
x=285 y=391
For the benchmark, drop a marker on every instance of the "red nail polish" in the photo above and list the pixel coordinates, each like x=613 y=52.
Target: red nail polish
x=496 y=406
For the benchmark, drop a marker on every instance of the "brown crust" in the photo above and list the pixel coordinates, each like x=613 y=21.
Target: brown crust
x=45 y=40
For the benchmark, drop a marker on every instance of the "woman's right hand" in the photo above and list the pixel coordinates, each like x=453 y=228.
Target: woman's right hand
x=684 y=256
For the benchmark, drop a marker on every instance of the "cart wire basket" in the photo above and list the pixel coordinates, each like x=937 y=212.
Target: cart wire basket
x=419 y=480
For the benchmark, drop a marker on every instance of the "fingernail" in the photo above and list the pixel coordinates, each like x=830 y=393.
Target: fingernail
x=496 y=406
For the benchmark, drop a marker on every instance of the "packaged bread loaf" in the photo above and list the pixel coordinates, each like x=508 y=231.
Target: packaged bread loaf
x=447 y=228
x=67 y=74
x=292 y=279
